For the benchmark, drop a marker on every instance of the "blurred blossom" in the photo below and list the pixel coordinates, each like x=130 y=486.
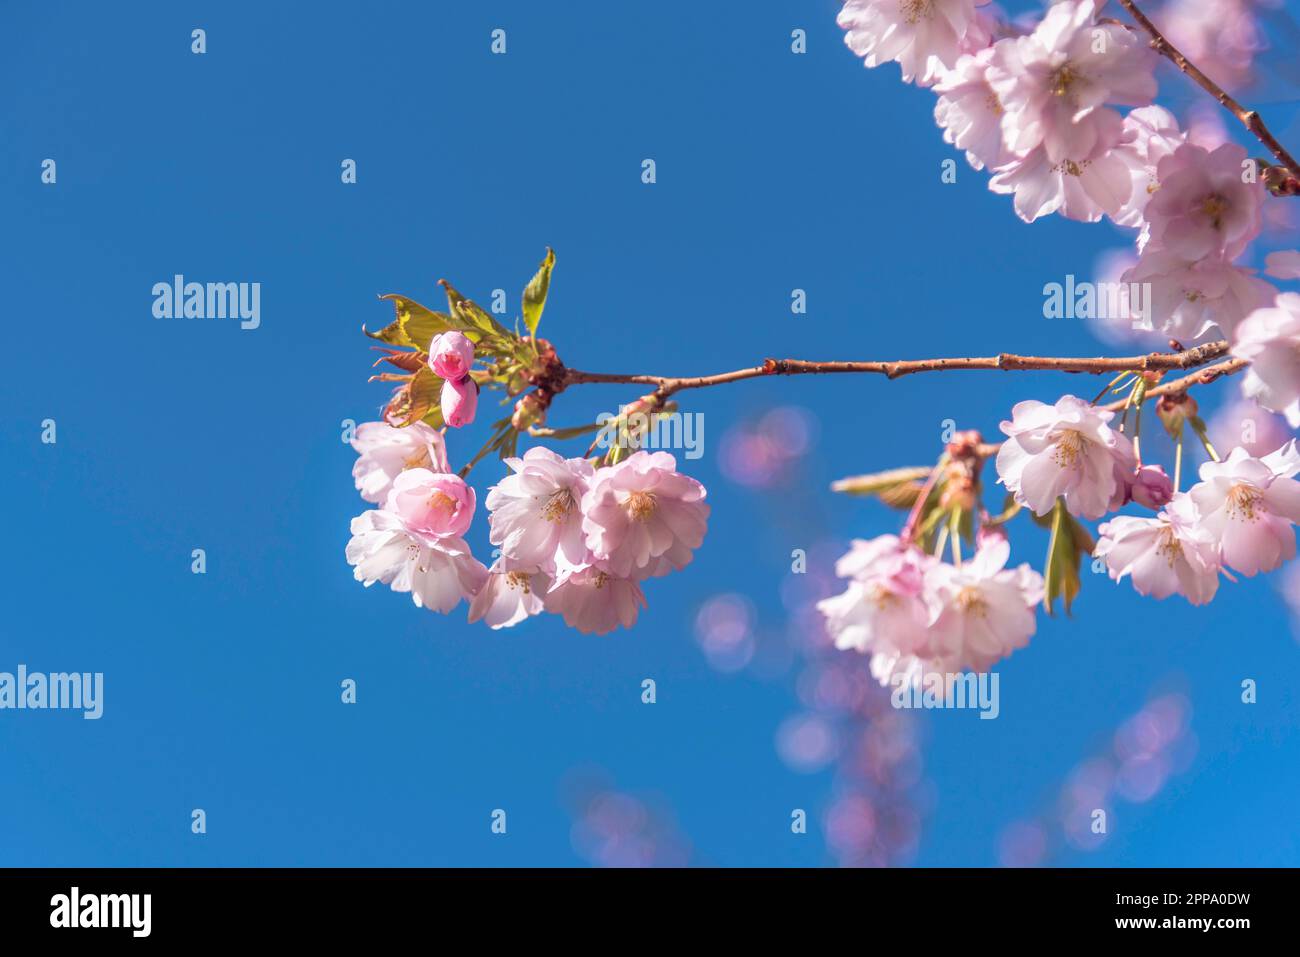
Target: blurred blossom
x=1221 y=37
x=1022 y=844
x=1146 y=750
x=1243 y=423
x=806 y=742
x=1280 y=223
x=1288 y=584
x=1205 y=126
x=613 y=828
x=851 y=825
x=845 y=721
x=826 y=689
x=760 y=453
x=1141 y=778
x=724 y=628
x=1118 y=332
x=1089 y=783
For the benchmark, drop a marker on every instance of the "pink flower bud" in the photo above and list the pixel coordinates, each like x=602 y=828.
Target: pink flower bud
x=451 y=355
x=1152 y=487
x=529 y=411
x=459 y=401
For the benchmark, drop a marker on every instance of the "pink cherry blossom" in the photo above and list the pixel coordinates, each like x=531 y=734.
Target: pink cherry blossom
x=980 y=611
x=869 y=617
x=511 y=593
x=1054 y=82
x=883 y=556
x=1190 y=300
x=1165 y=554
x=882 y=608
x=1248 y=506
x=969 y=113
x=1202 y=208
x=923 y=36
x=1150 y=134
x=451 y=354
x=438 y=572
x=459 y=401
x=1086 y=184
x=1270 y=340
x=1066 y=449
x=437 y=504
x=534 y=512
x=594 y=601
x=386 y=451
x=897 y=669
x=641 y=510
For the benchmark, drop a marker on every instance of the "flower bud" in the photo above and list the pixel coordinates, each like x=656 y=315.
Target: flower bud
x=459 y=401
x=1174 y=410
x=1151 y=487
x=529 y=411
x=450 y=355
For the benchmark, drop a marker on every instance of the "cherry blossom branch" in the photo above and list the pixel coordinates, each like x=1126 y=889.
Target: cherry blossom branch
x=1174 y=387
x=666 y=386
x=1180 y=386
x=1248 y=118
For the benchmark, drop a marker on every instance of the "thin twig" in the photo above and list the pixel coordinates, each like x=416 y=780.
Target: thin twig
x=1175 y=387
x=1154 y=361
x=1248 y=118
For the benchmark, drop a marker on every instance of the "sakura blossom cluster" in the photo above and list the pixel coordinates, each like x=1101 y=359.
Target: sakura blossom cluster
x=1037 y=108
x=1240 y=516
x=1041 y=106
x=572 y=538
x=578 y=540
x=916 y=615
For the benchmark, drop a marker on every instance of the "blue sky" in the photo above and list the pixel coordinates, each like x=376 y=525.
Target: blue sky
x=775 y=172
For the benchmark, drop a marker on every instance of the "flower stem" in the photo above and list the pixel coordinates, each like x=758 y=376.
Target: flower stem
x=1198 y=426
x=1178 y=461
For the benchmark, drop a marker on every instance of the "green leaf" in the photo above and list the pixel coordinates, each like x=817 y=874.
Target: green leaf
x=1070 y=541
x=433 y=418
x=573 y=431
x=897 y=488
x=535 y=292
x=414 y=326
x=471 y=319
x=419 y=400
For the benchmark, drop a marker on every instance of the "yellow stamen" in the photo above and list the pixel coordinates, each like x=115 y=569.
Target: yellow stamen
x=1170 y=547
x=915 y=10
x=441 y=502
x=420 y=460
x=1063 y=80
x=1070 y=448
x=1243 y=502
x=971 y=601
x=1214 y=206
x=640 y=505
x=883 y=598
x=559 y=505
